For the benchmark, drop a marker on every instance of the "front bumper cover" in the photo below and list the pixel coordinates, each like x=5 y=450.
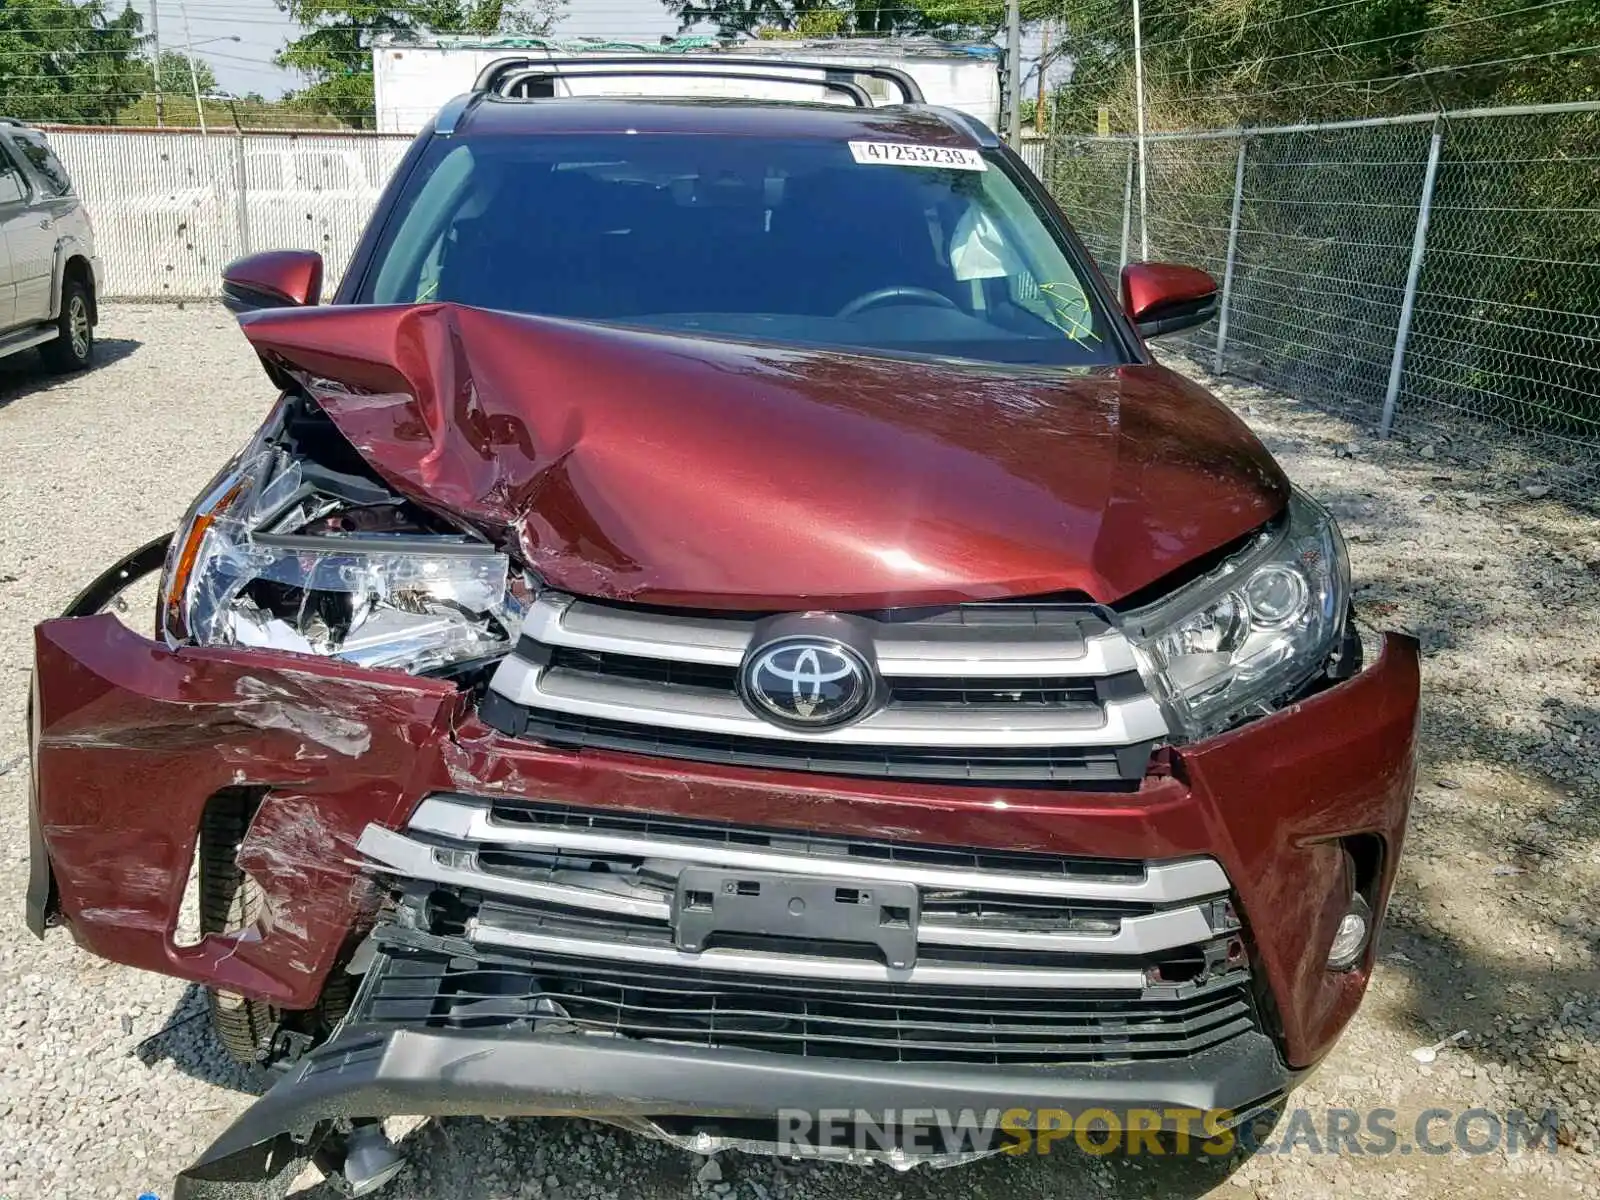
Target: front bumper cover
x=131 y=739
x=442 y=1073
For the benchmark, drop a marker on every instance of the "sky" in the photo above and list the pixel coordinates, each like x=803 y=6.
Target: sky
x=241 y=66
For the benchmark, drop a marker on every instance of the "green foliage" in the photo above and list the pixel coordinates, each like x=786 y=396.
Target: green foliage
x=250 y=112
x=803 y=18
x=335 y=53
x=817 y=23
x=1223 y=62
x=978 y=18
x=61 y=61
x=175 y=77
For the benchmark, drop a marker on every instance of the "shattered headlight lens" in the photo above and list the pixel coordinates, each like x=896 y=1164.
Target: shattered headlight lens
x=239 y=575
x=1258 y=628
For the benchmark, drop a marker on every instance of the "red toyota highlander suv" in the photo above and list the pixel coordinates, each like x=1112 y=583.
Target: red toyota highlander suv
x=728 y=618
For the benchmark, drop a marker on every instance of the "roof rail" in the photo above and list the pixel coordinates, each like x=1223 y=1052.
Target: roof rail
x=980 y=132
x=855 y=91
x=495 y=77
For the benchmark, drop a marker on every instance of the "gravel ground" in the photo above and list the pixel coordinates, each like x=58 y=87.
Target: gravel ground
x=109 y=1081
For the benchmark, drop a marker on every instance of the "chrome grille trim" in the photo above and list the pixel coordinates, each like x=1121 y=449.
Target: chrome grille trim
x=538 y=916
x=1143 y=934
x=1006 y=693
x=810 y=966
x=563 y=621
x=401 y=855
x=902 y=649
x=1146 y=934
x=668 y=706
x=472 y=820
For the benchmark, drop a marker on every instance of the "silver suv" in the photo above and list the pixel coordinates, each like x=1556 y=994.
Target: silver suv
x=49 y=275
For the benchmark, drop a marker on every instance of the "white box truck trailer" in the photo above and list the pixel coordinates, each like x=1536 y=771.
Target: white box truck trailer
x=412 y=79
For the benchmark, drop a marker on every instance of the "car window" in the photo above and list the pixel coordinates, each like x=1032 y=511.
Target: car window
x=789 y=241
x=12 y=188
x=45 y=165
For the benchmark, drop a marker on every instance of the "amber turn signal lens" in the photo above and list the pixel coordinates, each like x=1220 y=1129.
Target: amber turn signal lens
x=188 y=553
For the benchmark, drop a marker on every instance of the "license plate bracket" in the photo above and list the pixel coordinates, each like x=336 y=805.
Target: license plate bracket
x=712 y=900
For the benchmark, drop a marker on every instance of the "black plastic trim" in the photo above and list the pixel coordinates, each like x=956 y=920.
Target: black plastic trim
x=361 y=1073
x=858 y=94
x=493 y=76
x=240 y=298
x=1109 y=768
x=146 y=560
x=42 y=905
x=1183 y=314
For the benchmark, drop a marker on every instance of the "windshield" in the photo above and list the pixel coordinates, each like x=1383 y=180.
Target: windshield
x=812 y=242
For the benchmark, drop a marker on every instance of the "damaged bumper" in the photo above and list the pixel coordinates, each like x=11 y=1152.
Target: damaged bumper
x=131 y=740
x=435 y=1073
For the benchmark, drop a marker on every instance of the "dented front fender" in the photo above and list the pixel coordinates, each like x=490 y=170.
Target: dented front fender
x=130 y=740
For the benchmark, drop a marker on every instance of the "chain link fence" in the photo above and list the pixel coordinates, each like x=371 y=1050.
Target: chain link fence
x=171 y=209
x=1437 y=277
x=1433 y=276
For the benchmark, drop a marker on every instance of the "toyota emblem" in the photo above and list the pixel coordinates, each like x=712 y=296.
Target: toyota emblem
x=806 y=682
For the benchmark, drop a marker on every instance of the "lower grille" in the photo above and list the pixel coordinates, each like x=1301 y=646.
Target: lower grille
x=812 y=1018
x=550 y=919
x=1098 y=768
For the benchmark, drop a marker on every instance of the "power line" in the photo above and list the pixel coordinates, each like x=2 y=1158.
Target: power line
x=1389 y=37
x=1253 y=25
x=1403 y=75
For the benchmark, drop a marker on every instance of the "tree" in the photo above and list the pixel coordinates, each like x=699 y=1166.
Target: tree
x=800 y=18
x=335 y=52
x=978 y=19
x=61 y=61
x=175 y=77
x=1221 y=62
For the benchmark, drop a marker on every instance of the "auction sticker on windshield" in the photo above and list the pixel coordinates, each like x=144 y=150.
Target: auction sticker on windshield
x=910 y=154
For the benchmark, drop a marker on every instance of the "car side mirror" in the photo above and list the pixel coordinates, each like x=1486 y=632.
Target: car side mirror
x=272 y=279
x=1166 y=297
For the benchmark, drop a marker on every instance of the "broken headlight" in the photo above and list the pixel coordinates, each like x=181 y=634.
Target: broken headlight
x=1256 y=630
x=264 y=559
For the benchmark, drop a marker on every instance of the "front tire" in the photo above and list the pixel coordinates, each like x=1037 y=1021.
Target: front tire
x=231 y=901
x=73 y=349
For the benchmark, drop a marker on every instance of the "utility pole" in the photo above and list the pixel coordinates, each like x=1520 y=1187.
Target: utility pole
x=1014 y=73
x=1044 y=64
x=1138 y=100
x=155 y=33
x=194 y=75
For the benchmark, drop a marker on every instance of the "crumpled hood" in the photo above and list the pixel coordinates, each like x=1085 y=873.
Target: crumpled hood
x=673 y=470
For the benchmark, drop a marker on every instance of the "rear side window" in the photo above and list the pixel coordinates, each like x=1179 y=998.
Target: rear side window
x=12 y=189
x=45 y=165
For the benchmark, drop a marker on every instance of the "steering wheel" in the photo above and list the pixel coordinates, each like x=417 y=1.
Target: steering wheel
x=898 y=292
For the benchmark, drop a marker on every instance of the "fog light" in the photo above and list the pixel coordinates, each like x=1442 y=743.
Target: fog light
x=1350 y=939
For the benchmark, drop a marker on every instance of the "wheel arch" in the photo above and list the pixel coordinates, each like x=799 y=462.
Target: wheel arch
x=72 y=263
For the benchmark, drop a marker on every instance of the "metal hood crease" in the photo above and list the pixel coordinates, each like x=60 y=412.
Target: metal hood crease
x=678 y=470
